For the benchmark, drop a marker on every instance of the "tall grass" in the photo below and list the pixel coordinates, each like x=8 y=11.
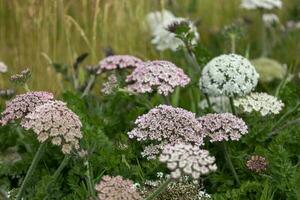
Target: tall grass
x=34 y=32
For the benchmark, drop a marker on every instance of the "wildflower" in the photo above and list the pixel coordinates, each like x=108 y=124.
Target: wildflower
x=56 y=122
x=92 y=69
x=260 y=102
x=261 y=4
x=257 y=163
x=7 y=94
x=111 y=85
x=22 y=77
x=113 y=188
x=188 y=160
x=166 y=125
x=223 y=126
x=164 y=37
x=118 y=62
x=270 y=19
x=228 y=75
x=3 y=67
x=23 y=104
x=159 y=75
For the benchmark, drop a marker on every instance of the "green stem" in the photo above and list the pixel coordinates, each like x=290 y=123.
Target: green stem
x=232 y=40
x=36 y=159
x=62 y=165
x=89 y=181
x=208 y=102
x=229 y=162
x=232 y=105
x=89 y=85
x=264 y=50
x=159 y=190
x=26 y=87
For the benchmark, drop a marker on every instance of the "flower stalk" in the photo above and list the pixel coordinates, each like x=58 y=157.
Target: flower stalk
x=229 y=162
x=159 y=190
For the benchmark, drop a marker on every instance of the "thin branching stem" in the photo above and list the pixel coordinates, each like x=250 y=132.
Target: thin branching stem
x=229 y=162
x=232 y=105
x=159 y=190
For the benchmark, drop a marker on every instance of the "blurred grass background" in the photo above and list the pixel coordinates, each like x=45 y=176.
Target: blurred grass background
x=32 y=32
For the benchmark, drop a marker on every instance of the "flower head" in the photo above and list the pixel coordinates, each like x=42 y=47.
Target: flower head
x=261 y=4
x=22 y=77
x=257 y=163
x=260 y=102
x=270 y=19
x=159 y=75
x=111 y=85
x=186 y=159
x=23 y=104
x=118 y=62
x=164 y=125
x=223 y=126
x=56 y=122
x=113 y=188
x=7 y=93
x=3 y=67
x=228 y=75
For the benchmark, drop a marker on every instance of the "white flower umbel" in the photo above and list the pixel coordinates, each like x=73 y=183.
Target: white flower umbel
x=260 y=102
x=261 y=4
x=162 y=38
x=270 y=19
x=228 y=75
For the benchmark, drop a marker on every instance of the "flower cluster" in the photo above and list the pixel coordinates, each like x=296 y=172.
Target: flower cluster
x=270 y=19
x=111 y=85
x=23 y=104
x=260 y=102
x=56 y=122
x=7 y=94
x=166 y=124
x=159 y=75
x=228 y=75
x=118 y=62
x=261 y=4
x=186 y=159
x=3 y=67
x=223 y=126
x=257 y=163
x=22 y=77
x=162 y=38
x=113 y=188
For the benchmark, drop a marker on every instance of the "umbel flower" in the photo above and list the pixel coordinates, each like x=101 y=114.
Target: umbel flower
x=257 y=163
x=111 y=85
x=186 y=159
x=260 y=102
x=7 y=93
x=159 y=75
x=114 y=188
x=164 y=125
x=163 y=39
x=56 y=122
x=222 y=127
x=22 y=77
x=3 y=67
x=261 y=4
x=118 y=62
x=270 y=19
x=228 y=75
x=23 y=104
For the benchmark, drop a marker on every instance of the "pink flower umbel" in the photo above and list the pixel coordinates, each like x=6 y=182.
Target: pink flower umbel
x=257 y=163
x=23 y=104
x=56 y=122
x=161 y=76
x=118 y=62
x=222 y=127
x=166 y=125
x=186 y=159
x=113 y=188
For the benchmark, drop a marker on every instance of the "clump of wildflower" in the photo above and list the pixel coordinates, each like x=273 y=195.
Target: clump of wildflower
x=118 y=62
x=228 y=75
x=186 y=159
x=22 y=77
x=166 y=125
x=219 y=104
x=261 y=4
x=7 y=94
x=23 y=104
x=257 y=163
x=3 y=67
x=223 y=126
x=159 y=75
x=112 y=188
x=260 y=102
x=111 y=85
x=164 y=37
x=56 y=122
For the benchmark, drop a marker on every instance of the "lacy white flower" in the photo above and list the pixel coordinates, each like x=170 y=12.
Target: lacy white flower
x=260 y=102
x=56 y=122
x=228 y=75
x=3 y=67
x=159 y=75
x=118 y=62
x=261 y=4
x=186 y=159
x=219 y=104
x=270 y=19
x=162 y=38
x=115 y=188
x=222 y=127
x=23 y=104
x=164 y=125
